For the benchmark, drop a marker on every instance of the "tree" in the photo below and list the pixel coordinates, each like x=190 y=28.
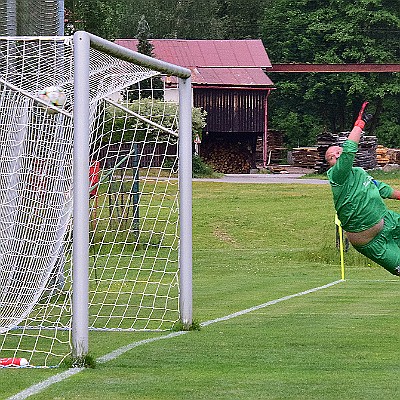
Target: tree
x=336 y=31
x=184 y=19
x=94 y=16
x=241 y=18
x=308 y=31
x=191 y=19
x=143 y=36
x=152 y=87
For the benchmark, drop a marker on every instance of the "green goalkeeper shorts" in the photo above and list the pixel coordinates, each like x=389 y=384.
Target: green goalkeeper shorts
x=384 y=248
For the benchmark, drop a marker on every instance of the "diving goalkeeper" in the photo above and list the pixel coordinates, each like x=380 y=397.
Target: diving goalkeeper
x=370 y=226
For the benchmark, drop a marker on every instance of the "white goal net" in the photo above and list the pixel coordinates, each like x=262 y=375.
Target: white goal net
x=133 y=186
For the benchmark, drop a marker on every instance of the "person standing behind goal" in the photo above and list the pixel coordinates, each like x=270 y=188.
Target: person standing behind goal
x=370 y=226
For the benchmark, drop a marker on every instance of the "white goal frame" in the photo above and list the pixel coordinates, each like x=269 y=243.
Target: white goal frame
x=80 y=298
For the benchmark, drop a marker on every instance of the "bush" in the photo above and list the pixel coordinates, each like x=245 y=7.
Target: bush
x=200 y=169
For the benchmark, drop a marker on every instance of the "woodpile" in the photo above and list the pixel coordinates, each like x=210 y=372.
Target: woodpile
x=228 y=157
x=276 y=150
x=385 y=156
x=382 y=156
x=233 y=156
x=394 y=156
x=305 y=157
x=324 y=140
x=366 y=156
x=275 y=147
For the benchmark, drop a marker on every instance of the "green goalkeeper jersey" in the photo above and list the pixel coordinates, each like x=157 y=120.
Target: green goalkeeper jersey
x=357 y=197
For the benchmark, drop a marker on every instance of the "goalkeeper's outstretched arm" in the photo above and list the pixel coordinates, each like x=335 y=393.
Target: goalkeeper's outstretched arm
x=362 y=119
x=395 y=195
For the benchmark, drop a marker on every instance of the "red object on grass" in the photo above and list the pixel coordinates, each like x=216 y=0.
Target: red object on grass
x=94 y=174
x=13 y=362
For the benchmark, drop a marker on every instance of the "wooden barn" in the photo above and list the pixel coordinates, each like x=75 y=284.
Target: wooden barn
x=229 y=81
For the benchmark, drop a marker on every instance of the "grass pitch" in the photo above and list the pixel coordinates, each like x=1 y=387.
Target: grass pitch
x=254 y=244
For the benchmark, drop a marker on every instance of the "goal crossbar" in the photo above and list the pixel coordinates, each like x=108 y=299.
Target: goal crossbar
x=107 y=47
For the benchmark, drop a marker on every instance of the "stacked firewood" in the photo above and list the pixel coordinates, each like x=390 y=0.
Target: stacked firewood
x=228 y=157
x=385 y=156
x=305 y=157
x=394 y=156
x=324 y=140
x=275 y=146
x=276 y=149
x=366 y=155
x=382 y=156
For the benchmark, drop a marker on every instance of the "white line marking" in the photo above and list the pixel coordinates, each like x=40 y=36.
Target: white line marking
x=116 y=353
x=45 y=384
x=35 y=389
x=269 y=303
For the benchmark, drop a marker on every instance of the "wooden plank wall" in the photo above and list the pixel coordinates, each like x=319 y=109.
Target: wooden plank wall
x=232 y=110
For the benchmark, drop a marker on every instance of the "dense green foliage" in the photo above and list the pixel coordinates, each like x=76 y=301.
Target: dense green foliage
x=200 y=169
x=149 y=87
x=336 y=31
x=158 y=111
x=186 y=19
x=305 y=31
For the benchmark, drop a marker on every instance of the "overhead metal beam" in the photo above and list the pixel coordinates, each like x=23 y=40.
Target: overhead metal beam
x=337 y=68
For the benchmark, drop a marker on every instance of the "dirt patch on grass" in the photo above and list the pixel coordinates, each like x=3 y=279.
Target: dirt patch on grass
x=223 y=236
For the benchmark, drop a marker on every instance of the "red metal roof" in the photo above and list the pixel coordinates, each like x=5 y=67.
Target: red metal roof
x=231 y=76
x=214 y=62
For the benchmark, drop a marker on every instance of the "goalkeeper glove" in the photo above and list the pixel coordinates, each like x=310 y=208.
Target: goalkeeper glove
x=363 y=117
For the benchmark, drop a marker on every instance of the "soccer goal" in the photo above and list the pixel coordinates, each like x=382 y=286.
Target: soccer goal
x=95 y=194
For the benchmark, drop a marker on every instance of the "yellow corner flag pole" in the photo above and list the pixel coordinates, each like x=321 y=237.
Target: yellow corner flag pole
x=341 y=247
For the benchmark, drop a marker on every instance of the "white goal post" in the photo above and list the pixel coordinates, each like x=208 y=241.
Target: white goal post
x=83 y=41
x=95 y=195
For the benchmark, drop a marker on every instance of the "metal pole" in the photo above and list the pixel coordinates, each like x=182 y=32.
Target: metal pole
x=339 y=231
x=8 y=18
x=115 y=50
x=265 y=138
x=136 y=177
x=60 y=15
x=185 y=209
x=80 y=296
